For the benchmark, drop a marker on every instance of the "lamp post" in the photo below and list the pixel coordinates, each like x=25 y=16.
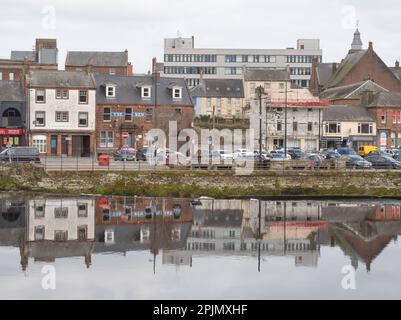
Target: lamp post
x=286 y=120
x=260 y=91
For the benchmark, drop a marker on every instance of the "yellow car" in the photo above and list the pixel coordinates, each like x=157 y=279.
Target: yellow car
x=365 y=150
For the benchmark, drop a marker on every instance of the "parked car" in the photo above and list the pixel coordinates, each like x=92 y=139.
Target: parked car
x=366 y=150
x=124 y=155
x=330 y=154
x=20 y=154
x=383 y=162
x=222 y=155
x=357 y=162
x=346 y=151
x=296 y=153
x=243 y=153
x=265 y=155
x=280 y=157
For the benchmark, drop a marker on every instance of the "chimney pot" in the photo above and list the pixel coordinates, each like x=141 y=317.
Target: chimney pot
x=397 y=64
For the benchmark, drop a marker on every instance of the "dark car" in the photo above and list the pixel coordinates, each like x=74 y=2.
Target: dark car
x=124 y=155
x=142 y=155
x=357 y=162
x=330 y=154
x=383 y=162
x=296 y=154
x=20 y=154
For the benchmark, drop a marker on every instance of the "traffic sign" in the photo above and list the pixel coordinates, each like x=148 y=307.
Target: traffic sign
x=125 y=135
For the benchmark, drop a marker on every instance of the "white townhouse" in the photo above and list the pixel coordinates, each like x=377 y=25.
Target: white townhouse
x=61 y=115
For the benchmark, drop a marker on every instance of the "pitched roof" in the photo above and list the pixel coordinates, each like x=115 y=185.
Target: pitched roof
x=347 y=113
x=11 y=91
x=96 y=58
x=128 y=90
x=264 y=74
x=219 y=88
x=353 y=91
x=386 y=99
x=324 y=71
x=345 y=67
x=396 y=71
x=63 y=79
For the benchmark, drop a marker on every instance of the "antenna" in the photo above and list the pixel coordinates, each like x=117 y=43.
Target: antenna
x=357 y=24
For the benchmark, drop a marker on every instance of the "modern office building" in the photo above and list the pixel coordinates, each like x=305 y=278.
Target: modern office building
x=183 y=59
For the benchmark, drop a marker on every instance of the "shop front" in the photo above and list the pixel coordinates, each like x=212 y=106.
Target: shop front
x=12 y=137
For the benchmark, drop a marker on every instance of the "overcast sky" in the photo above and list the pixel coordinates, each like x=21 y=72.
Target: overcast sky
x=140 y=26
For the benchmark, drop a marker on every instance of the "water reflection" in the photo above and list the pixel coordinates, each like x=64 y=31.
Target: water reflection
x=49 y=228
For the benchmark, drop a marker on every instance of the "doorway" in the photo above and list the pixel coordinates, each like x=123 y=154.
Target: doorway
x=53 y=145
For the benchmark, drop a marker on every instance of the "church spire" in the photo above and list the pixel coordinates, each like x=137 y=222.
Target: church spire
x=357 y=42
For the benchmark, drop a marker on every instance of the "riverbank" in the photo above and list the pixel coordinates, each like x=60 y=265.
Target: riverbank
x=194 y=184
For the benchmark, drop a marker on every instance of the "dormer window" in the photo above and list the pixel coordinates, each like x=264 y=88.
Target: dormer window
x=110 y=91
x=177 y=93
x=146 y=92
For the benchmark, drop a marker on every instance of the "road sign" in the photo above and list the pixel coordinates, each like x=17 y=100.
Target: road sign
x=124 y=135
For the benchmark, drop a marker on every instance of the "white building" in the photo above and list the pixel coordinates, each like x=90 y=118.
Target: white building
x=182 y=59
x=62 y=112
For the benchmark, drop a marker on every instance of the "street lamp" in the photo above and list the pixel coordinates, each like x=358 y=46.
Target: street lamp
x=260 y=91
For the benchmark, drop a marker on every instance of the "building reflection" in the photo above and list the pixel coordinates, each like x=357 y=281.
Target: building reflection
x=46 y=229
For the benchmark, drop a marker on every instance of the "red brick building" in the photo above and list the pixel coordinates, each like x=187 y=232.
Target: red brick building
x=386 y=108
x=111 y=63
x=358 y=66
x=128 y=107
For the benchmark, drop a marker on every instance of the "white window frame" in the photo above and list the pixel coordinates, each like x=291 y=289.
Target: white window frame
x=40 y=142
x=110 y=94
x=11 y=76
x=146 y=92
x=179 y=91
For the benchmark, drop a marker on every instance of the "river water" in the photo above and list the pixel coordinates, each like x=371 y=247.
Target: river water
x=162 y=248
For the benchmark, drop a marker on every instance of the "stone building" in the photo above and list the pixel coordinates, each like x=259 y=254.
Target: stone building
x=222 y=97
x=62 y=112
x=348 y=126
x=99 y=62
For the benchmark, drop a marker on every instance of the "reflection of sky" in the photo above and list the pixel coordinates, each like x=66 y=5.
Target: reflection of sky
x=131 y=277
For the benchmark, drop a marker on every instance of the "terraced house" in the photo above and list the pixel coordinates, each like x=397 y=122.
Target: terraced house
x=61 y=115
x=129 y=106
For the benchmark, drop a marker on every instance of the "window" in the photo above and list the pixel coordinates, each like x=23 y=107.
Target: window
x=83 y=96
x=40 y=96
x=128 y=114
x=231 y=58
x=39 y=210
x=279 y=126
x=106 y=139
x=112 y=71
x=11 y=76
x=177 y=93
x=40 y=118
x=40 y=142
x=209 y=102
x=110 y=92
x=310 y=126
x=61 y=213
x=365 y=128
x=252 y=88
x=267 y=85
x=60 y=235
x=82 y=210
x=62 y=94
x=39 y=233
x=245 y=59
x=61 y=116
x=149 y=115
x=107 y=114
x=333 y=128
x=396 y=117
x=281 y=86
x=83 y=119
x=82 y=233
x=1 y=75
x=383 y=117
x=146 y=91
x=295 y=126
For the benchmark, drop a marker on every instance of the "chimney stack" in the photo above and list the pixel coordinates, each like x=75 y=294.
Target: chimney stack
x=155 y=72
x=88 y=67
x=334 y=68
x=397 y=64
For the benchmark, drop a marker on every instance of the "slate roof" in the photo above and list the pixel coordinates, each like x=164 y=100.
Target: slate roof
x=263 y=74
x=396 y=71
x=11 y=91
x=345 y=67
x=60 y=79
x=347 y=113
x=20 y=55
x=387 y=99
x=128 y=90
x=219 y=88
x=324 y=72
x=96 y=58
x=352 y=91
